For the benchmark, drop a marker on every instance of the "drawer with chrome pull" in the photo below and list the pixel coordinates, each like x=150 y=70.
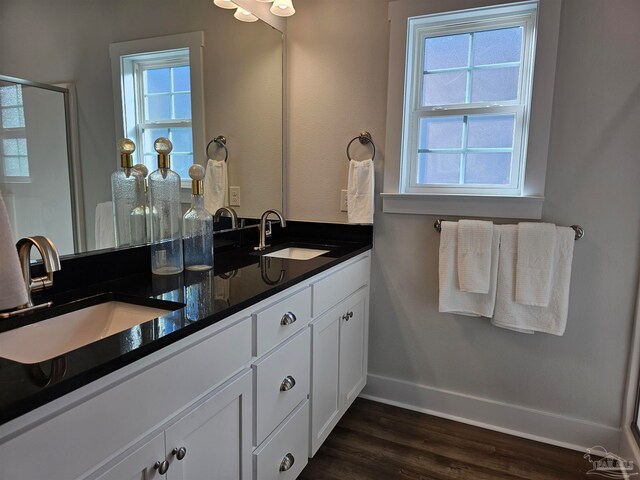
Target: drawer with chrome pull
x=279 y=321
x=282 y=382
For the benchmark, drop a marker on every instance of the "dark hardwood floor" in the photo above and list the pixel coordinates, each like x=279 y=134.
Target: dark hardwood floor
x=377 y=441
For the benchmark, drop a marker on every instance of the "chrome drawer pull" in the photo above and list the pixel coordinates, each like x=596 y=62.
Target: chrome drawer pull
x=287 y=462
x=180 y=452
x=287 y=384
x=347 y=316
x=288 y=318
x=161 y=467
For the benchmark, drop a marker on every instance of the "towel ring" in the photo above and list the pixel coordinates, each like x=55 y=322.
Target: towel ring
x=221 y=142
x=364 y=138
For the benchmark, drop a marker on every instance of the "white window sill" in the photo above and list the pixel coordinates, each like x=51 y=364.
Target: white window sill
x=521 y=207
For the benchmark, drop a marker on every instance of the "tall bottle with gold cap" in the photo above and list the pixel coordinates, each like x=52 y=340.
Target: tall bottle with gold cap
x=166 y=221
x=129 y=199
x=197 y=226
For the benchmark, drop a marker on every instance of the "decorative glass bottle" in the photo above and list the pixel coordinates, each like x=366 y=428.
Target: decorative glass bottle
x=129 y=199
x=166 y=223
x=144 y=171
x=197 y=227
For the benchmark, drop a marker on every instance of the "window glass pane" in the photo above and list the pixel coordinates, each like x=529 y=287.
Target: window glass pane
x=24 y=166
x=12 y=166
x=158 y=108
x=440 y=133
x=497 y=46
x=444 y=88
x=488 y=168
x=494 y=84
x=11 y=96
x=435 y=168
x=157 y=80
x=22 y=146
x=181 y=79
x=181 y=164
x=10 y=146
x=182 y=140
x=490 y=131
x=446 y=52
x=13 y=117
x=182 y=106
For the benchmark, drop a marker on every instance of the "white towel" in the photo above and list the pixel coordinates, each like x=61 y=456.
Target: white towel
x=535 y=263
x=474 y=255
x=13 y=292
x=452 y=300
x=104 y=228
x=216 y=186
x=360 y=191
x=510 y=314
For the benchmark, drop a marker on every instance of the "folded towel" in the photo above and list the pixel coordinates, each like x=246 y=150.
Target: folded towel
x=216 y=186
x=510 y=314
x=474 y=255
x=13 y=292
x=535 y=263
x=452 y=300
x=105 y=228
x=360 y=191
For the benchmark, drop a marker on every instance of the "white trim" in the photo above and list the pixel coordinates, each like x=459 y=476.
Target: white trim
x=546 y=427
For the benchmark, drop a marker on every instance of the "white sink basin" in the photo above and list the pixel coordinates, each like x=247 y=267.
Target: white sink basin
x=58 y=335
x=297 y=253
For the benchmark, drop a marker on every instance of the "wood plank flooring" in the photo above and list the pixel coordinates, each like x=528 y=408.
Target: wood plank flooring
x=376 y=441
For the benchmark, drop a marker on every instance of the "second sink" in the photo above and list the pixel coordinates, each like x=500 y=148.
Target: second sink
x=297 y=253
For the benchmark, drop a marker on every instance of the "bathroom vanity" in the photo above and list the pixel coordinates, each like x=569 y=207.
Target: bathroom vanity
x=245 y=381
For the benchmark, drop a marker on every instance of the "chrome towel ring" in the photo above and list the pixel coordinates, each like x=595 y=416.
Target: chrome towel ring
x=221 y=142
x=364 y=138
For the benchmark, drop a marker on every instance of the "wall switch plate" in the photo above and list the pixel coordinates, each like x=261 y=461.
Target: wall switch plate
x=343 y=201
x=234 y=196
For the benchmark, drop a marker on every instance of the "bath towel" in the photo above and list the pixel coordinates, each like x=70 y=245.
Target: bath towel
x=535 y=263
x=216 y=186
x=360 y=191
x=474 y=255
x=105 y=228
x=13 y=292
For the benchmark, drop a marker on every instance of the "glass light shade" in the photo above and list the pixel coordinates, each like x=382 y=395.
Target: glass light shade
x=282 y=8
x=245 y=15
x=228 y=4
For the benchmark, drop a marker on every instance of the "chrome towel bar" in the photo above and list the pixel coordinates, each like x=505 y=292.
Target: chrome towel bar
x=577 y=228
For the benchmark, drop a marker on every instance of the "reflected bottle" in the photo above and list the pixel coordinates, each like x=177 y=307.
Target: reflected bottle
x=129 y=199
x=198 y=227
x=166 y=225
x=142 y=168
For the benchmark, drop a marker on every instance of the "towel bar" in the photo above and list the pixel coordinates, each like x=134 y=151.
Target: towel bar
x=364 y=138
x=221 y=142
x=577 y=228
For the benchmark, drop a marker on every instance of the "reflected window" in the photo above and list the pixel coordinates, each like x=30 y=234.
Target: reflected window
x=15 y=159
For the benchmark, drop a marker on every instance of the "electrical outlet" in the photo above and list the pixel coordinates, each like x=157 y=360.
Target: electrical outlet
x=234 y=196
x=343 y=201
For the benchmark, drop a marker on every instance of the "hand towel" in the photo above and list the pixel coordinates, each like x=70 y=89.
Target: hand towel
x=535 y=263
x=510 y=314
x=13 y=292
x=475 y=239
x=105 y=228
x=360 y=191
x=216 y=186
x=452 y=299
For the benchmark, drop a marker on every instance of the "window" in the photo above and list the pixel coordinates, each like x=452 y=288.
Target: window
x=15 y=160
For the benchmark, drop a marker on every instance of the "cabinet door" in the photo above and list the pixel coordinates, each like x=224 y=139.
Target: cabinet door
x=353 y=347
x=325 y=357
x=215 y=436
x=139 y=465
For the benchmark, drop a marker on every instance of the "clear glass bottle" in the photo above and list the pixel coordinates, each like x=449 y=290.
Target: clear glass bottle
x=144 y=171
x=198 y=227
x=166 y=224
x=129 y=199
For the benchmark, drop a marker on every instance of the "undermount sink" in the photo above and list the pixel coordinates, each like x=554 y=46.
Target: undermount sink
x=58 y=335
x=297 y=253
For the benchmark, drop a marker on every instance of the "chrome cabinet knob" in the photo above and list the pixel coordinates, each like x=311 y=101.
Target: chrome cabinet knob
x=287 y=384
x=287 y=462
x=179 y=453
x=347 y=316
x=288 y=318
x=161 y=467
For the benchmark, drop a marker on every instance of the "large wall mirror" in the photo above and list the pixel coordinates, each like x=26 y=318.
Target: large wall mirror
x=65 y=45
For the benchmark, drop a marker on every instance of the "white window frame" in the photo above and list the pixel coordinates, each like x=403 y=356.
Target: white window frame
x=526 y=199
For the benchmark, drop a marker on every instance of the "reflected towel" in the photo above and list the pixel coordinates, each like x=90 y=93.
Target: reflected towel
x=535 y=263
x=13 y=292
x=105 y=228
x=216 y=186
x=474 y=255
x=360 y=191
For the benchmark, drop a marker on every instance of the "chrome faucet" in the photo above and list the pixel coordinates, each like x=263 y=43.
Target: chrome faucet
x=232 y=214
x=265 y=231
x=50 y=260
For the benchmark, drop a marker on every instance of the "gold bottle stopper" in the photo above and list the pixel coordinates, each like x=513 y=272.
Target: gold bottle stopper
x=126 y=147
x=196 y=172
x=163 y=146
x=144 y=171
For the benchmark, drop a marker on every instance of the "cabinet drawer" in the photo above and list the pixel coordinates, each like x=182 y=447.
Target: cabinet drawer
x=282 y=382
x=330 y=290
x=279 y=321
x=290 y=441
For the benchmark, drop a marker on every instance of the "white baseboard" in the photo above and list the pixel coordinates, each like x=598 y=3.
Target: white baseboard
x=515 y=420
x=629 y=448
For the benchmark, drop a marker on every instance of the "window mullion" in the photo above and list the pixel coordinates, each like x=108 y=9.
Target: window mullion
x=463 y=155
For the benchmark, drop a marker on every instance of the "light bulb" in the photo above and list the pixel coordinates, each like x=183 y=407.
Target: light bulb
x=282 y=8
x=126 y=146
x=228 y=4
x=196 y=172
x=163 y=146
x=245 y=15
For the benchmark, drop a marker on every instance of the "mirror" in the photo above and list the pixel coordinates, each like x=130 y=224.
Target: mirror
x=68 y=45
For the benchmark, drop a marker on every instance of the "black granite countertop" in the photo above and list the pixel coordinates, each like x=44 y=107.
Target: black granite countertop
x=239 y=280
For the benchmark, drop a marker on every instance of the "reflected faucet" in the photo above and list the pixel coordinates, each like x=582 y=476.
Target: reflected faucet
x=232 y=214
x=50 y=260
x=265 y=231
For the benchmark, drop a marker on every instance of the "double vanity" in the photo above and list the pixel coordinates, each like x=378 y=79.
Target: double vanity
x=236 y=373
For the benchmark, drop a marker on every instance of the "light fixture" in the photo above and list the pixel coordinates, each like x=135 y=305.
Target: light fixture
x=245 y=15
x=225 y=4
x=264 y=1
x=282 y=8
